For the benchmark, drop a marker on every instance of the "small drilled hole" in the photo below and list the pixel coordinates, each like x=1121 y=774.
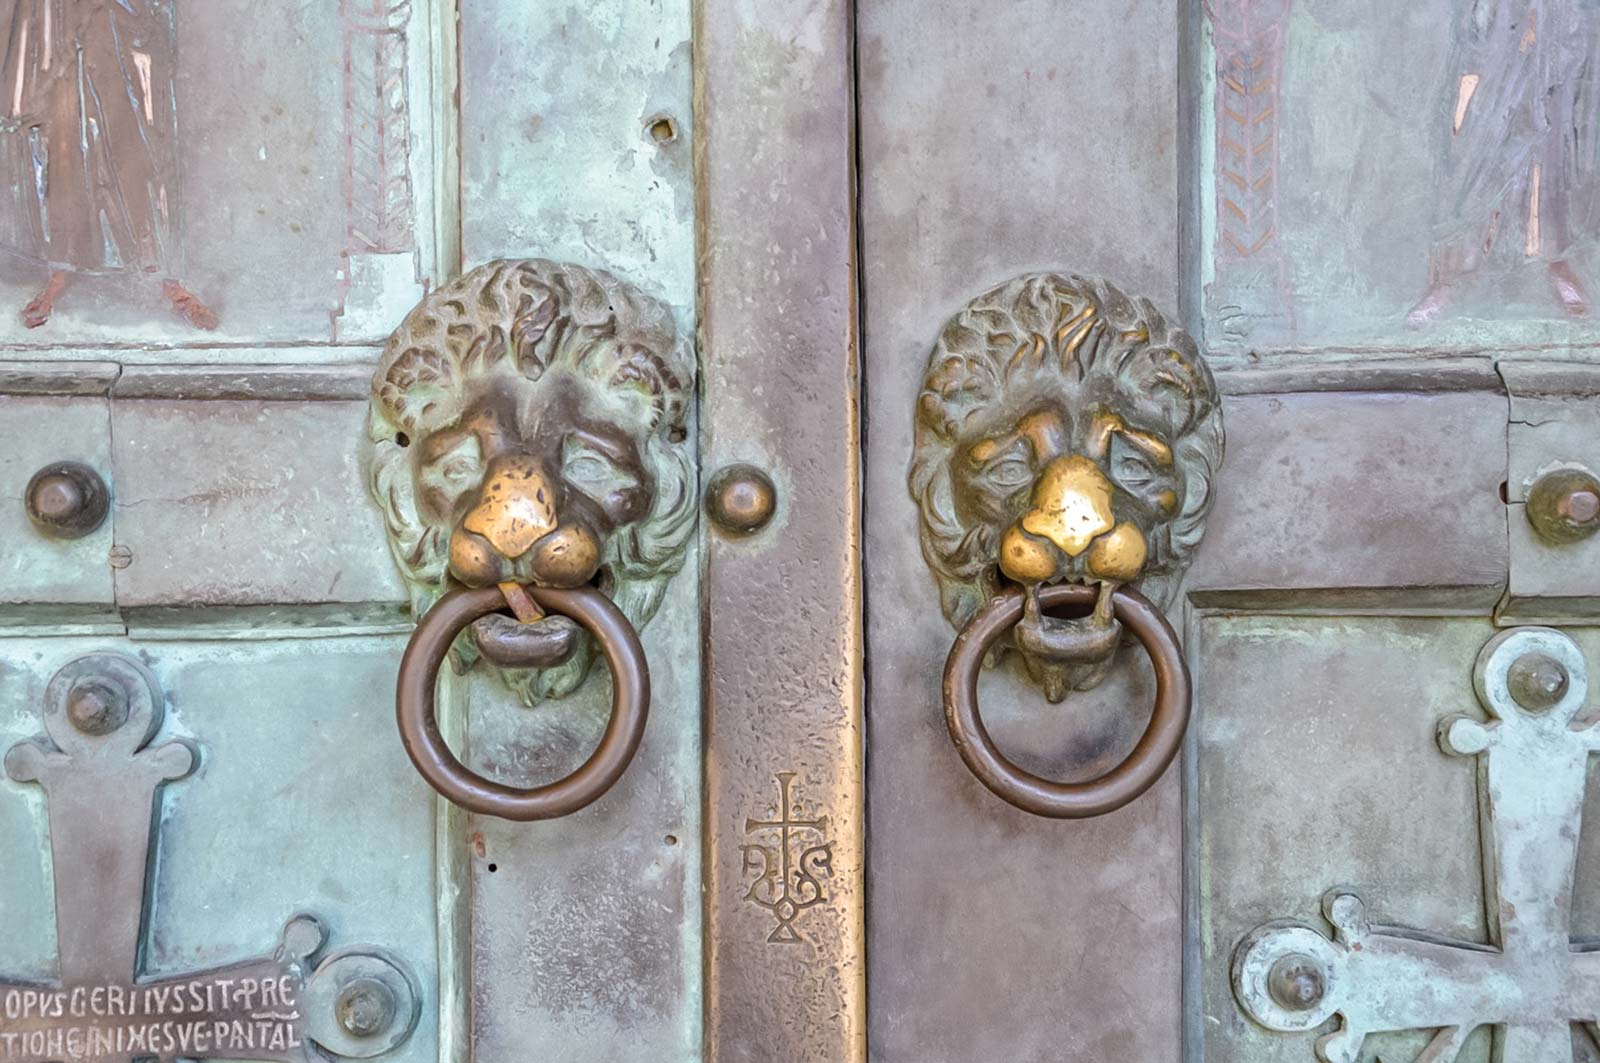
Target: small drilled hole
x=493 y=868
x=1505 y=492
x=672 y=839
x=663 y=130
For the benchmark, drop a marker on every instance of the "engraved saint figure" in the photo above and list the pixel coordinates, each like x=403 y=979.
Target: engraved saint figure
x=89 y=120
x=1519 y=168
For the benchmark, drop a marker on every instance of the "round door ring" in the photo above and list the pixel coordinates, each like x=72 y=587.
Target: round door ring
x=419 y=729
x=1156 y=747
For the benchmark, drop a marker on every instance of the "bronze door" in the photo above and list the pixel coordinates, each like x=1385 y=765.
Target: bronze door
x=1364 y=217
x=1026 y=531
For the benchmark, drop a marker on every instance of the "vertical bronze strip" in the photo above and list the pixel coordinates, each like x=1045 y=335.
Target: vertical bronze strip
x=785 y=968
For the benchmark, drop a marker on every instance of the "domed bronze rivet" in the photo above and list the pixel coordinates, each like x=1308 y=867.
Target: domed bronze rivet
x=97 y=707
x=1564 y=505
x=1536 y=681
x=67 y=500
x=740 y=499
x=364 y=1008
x=1296 y=982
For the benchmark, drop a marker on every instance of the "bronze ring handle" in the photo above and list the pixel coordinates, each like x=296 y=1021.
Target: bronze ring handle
x=1150 y=757
x=419 y=730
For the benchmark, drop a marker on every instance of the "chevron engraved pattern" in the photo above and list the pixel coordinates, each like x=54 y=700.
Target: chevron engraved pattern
x=1249 y=46
x=1246 y=204
x=379 y=209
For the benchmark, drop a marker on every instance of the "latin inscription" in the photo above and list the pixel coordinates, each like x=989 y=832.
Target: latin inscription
x=232 y=1014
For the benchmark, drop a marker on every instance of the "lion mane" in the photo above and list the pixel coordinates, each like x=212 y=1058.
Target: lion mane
x=1083 y=338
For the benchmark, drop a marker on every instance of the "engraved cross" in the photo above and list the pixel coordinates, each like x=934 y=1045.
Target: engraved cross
x=788 y=881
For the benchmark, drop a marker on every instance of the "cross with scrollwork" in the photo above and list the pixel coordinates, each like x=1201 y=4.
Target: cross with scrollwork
x=1531 y=982
x=788 y=881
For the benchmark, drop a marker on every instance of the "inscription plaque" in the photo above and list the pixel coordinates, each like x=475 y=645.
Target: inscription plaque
x=101 y=779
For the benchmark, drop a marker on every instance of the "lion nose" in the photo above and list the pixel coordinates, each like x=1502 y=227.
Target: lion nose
x=1071 y=514
x=567 y=557
x=515 y=515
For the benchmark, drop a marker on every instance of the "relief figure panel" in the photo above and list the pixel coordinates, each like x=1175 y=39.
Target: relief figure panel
x=209 y=173
x=1385 y=176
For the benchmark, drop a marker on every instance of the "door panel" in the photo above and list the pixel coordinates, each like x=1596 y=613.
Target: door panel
x=332 y=171
x=583 y=934
x=991 y=933
x=779 y=384
x=1361 y=512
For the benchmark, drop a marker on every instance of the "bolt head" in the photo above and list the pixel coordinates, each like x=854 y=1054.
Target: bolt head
x=1297 y=982
x=67 y=500
x=1537 y=681
x=741 y=499
x=1580 y=507
x=96 y=707
x=364 y=1007
x=1564 y=505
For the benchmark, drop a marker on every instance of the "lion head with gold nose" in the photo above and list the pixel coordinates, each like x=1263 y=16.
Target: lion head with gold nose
x=529 y=424
x=1065 y=432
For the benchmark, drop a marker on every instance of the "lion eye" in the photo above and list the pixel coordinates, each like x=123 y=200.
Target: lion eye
x=461 y=462
x=1130 y=467
x=1010 y=474
x=592 y=472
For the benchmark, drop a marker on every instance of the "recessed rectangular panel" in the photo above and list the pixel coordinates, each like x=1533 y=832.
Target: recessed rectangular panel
x=233 y=503
x=226 y=172
x=1318 y=765
x=1349 y=497
x=1555 y=429
x=302 y=802
x=38 y=568
x=1398 y=175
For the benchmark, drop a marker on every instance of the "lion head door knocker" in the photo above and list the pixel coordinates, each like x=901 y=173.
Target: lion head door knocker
x=1066 y=440
x=528 y=447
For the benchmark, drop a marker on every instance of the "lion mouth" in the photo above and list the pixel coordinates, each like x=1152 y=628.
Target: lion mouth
x=1068 y=653
x=507 y=642
x=549 y=642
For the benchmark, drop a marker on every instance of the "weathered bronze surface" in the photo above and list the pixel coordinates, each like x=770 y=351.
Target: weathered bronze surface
x=1065 y=433
x=1162 y=737
x=100 y=192
x=782 y=609
x=67 y=500
x=1533 y=981
x=102 y=779
x=741 y=499
x=419 y=727
x=528 y=424
x=1564 y=505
